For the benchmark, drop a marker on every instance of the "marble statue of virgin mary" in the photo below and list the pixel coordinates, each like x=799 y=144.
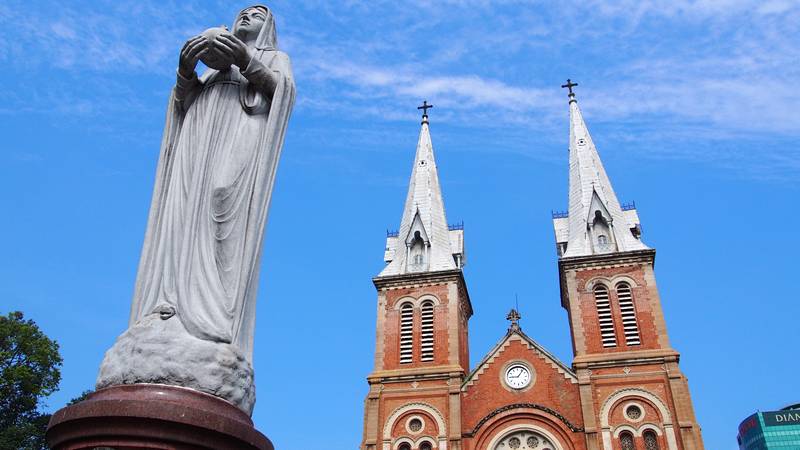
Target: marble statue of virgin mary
x=193 y=310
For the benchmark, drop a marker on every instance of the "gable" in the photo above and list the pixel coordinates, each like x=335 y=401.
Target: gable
x=495 y=356
x=553 y=386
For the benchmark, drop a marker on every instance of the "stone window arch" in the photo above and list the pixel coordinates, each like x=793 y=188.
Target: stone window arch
x=671 y=441
x=525 y=437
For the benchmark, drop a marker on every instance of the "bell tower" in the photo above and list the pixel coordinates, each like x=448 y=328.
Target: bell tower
x=627 y=371
x=421 y=349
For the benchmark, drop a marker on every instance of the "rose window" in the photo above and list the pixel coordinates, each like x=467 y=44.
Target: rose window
x=633 y=412
x=524 y=440
x=415 y=425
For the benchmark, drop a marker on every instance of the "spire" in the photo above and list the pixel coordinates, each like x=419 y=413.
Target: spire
x=423 y=243
x=596 y=222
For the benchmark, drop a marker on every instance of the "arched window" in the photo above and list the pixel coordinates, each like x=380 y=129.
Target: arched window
x=650 y=440
x=626 y=441
x=606 y=320
x=406 y=333
x=628 y=313
x=404 y=446
x=602 y=231
x=426 y=335
x=425 y=446
x=417 y=252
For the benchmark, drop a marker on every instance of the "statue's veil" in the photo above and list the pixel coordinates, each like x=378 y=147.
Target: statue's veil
x=267 y=38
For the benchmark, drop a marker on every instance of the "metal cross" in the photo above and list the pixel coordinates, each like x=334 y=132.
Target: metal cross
x=425 y=106
x=569 y=86
x=513 y=316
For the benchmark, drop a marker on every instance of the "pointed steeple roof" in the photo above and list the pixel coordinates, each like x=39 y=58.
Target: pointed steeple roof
x=596 y=222
x=423 y=217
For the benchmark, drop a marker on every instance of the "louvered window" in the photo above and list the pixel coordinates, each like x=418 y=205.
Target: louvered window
x=607 y=334
x=628 y=313
x=426 y=335
x=650 y=440
x=626 y=441
x=406 y=333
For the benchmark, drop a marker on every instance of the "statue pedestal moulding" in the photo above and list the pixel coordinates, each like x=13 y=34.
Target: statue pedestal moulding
x=181 y=375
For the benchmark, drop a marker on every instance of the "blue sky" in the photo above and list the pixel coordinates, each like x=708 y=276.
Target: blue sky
x=692 y=105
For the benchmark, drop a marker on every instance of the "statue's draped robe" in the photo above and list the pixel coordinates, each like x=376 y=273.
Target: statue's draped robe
x=219 y=153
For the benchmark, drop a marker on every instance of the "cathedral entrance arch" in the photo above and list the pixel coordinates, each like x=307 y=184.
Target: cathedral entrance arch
x=524 y=437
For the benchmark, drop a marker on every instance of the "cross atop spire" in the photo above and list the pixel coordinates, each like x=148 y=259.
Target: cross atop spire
x=569 y=86
x=596 y=223
x=425 y=107
x=424 y=242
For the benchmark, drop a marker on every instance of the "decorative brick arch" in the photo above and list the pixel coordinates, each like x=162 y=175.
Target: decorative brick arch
x=498 y=424
x=625 y=394
x=418 y=406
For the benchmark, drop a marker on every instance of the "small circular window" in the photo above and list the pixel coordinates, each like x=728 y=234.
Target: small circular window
x=633 y=412
x=415 y=425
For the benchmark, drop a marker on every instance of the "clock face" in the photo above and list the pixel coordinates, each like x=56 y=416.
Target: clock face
x=518 y=376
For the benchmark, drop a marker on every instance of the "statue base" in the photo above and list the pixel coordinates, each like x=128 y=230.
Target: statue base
x=153 y=416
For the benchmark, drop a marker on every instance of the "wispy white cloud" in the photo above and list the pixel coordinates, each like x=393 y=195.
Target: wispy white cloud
x=711 y=69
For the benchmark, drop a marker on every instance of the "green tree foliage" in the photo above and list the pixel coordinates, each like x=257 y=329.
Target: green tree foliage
x=29 y=372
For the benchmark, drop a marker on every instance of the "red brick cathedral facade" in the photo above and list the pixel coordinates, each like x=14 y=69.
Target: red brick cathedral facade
x=624 y=389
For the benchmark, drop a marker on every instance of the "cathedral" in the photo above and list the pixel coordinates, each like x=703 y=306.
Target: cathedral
x=624 y=389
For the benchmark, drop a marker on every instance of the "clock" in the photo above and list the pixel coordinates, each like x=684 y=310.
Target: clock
x=518 y=376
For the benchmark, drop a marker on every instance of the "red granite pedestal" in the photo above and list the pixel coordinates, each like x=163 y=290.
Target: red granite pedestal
x=153 y=416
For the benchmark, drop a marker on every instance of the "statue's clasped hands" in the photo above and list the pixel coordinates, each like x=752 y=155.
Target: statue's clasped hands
x=233 y=49
x=223 y=46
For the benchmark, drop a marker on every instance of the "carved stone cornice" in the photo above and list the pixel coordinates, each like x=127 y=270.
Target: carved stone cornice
x=628 y=358
x=608 y=259
x=419 y=373
x=419 y=279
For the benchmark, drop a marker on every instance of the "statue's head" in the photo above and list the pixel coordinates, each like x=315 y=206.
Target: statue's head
x=255 y=24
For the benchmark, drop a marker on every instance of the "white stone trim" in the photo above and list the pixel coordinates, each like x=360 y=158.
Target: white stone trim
x=649 y=426
x=431 y=297
x=513 y=428
x=618 y=430
x=390 y=422
x=428 y=439
x=416 y=302
x=402 y=440
x=666 y=417
x=624 y=279
x=402 y=301
x=610 y=283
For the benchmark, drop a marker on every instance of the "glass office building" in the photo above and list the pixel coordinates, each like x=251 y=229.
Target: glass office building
x=771 y=430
